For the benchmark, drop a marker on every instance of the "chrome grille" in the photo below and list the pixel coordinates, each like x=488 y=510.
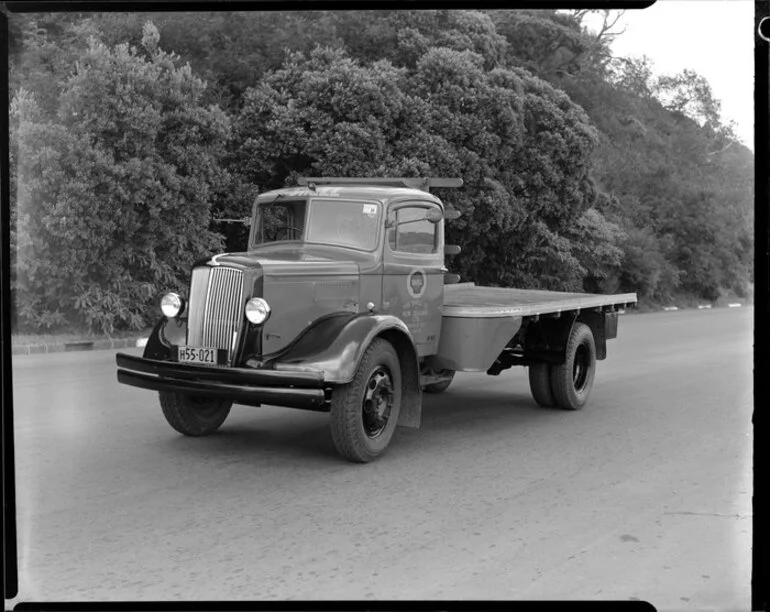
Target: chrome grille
x=216 y=307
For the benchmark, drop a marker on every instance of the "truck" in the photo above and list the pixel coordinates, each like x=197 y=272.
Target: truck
x=342 y=303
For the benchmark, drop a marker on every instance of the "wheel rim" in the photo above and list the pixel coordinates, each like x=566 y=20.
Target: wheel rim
x=581 y=367
x=378 y=402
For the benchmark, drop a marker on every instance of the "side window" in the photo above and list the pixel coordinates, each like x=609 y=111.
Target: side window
x=413 y=233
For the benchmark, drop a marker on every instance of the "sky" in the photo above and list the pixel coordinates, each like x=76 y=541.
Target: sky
x=713 y=37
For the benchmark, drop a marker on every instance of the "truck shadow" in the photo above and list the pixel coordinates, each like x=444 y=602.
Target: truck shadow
x=464 y=419
x=248 y=433
x=471 y=410
x=300 y=436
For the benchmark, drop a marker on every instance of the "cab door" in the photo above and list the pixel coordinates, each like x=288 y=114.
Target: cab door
x=413 y=275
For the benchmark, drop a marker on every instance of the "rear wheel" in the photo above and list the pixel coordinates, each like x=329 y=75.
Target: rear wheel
x=540 y=384
x=365 y=411
x=194 y=416
x=571 y=381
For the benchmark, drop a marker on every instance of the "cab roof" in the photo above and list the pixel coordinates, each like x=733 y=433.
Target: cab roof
x=384 y=194
x=384 y=189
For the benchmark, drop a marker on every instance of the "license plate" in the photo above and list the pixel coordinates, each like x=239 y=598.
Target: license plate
x=197 y=354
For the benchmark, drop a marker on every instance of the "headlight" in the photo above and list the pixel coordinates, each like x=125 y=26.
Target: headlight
x=171 y=305
x=257 y=310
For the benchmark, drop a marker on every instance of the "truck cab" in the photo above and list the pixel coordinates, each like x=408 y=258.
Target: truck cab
x=327 y=248
x=341 y=303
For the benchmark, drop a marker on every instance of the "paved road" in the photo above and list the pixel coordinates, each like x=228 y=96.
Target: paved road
x=644 y=494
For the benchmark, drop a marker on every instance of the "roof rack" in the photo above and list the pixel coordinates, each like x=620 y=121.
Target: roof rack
x=423 y=184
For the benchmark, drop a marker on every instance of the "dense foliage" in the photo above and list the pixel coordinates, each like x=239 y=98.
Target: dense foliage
x=583 y=171
x=520 y=146
x=114 y=191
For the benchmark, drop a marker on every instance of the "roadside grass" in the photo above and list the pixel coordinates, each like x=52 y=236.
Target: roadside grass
x=684 y=301
x=19 y=339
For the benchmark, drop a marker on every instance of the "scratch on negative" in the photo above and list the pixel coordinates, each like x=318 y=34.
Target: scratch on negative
x=711 y=514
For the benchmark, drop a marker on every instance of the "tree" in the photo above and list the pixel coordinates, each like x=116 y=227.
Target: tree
x=234 y=50
x=690 y=94
x=598 y=53
x=597 y=247
x=114 y=193
x=43 y=49
x=647 y=269
x=634 y=75
x=547 y=43
x=403 y=37
x=230 y=50
x=521 y=147
x=681 y=181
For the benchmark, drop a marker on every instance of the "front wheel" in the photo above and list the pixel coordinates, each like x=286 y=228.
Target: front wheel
x=194 y=416
x=365 y=411
x=571 y=381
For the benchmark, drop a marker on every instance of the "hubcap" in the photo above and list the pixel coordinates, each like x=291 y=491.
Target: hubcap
x=580 y=367
x=378 y=402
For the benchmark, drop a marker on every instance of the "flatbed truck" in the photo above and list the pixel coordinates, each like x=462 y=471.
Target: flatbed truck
x=342 y=303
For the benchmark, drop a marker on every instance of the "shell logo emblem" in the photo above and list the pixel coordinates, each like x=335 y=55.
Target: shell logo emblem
x=416 y=283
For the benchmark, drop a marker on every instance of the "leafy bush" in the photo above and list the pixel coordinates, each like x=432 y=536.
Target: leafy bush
x=114 y=192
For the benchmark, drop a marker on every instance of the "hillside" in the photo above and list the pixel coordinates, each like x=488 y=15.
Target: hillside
x=131 y=139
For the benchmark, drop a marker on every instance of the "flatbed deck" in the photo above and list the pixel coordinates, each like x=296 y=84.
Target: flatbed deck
x=468 y=300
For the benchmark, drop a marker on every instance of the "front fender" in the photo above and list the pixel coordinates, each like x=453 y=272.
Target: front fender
x=336 y=344
x=165 y=333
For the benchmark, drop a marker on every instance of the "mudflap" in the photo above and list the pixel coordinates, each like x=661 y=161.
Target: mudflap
x=411 y=391
x=411 y=411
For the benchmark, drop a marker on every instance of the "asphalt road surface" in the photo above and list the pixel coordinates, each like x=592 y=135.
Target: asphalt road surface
x=644 y=494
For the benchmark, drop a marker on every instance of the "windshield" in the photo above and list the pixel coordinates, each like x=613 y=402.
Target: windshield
x=347 y=223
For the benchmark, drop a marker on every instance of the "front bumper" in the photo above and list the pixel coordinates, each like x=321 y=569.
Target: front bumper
x=304 y=390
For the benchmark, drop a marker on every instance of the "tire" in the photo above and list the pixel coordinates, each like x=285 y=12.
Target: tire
x=540 y=384
x=365 y=411
x=571 y=381
x=194 y=416
x=442 y=386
